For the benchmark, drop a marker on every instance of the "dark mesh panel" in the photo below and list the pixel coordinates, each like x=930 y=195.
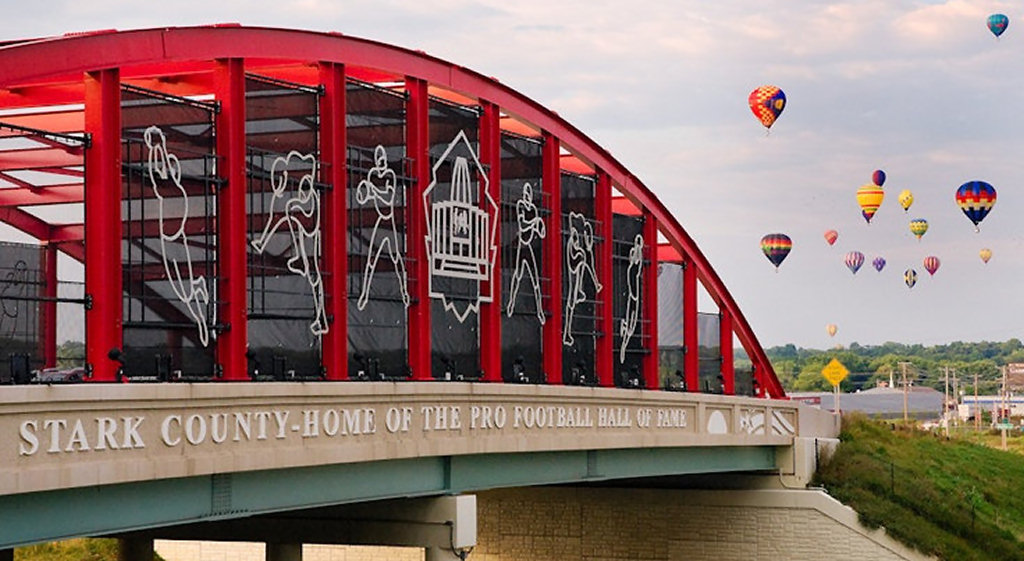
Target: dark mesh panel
x=627 y=301
x=452 y=207
x=522 y=256
x=286 y=298
x=22 y=286
x=744 y=380
x=579 y=282
x=170 y=229
x=709 y=352
x=378 y=346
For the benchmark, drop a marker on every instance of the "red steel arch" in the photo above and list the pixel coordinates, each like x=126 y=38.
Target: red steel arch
x=44 y=76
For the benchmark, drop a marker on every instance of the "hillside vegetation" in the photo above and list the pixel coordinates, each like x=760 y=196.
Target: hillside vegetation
x=951 y=498
x=83 y=549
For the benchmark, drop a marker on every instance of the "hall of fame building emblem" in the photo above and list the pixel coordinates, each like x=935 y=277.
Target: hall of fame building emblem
x=461 y=234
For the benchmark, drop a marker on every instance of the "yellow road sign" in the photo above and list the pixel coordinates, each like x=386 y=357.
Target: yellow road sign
x=834 y=372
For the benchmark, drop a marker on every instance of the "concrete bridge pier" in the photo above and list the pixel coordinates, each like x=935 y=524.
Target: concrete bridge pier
x=443 y=554
x=284 y=551
x=133 y=549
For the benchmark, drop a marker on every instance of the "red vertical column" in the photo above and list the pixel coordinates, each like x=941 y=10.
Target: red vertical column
x=691 y=361
x=48 y=307
x=418 y=149
x=605 y=324
x=650 y=301
x=490 y=312
x=103 y=284
x=335 y=239
x=552 y=334
x=725 y=344
x=232 y=248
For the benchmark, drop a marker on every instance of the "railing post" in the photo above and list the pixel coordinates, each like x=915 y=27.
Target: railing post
x=335 y=239
x=48 y=307
x=490 y=312
x=103 y=281
x=650 y=300
x=728 y=360
x=691 y=361
x=552 y=334
x=606 y=323
x=232 y=247
x=418 y=149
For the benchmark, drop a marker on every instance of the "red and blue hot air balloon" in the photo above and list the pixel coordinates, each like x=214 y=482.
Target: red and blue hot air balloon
x=878 y=177
x=854 y=260
x=776 y=247
x=997 y=24
x=767 y=103
x=976 y=199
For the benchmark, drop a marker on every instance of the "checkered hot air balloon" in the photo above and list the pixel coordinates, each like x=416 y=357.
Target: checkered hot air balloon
x=997 y=24
x=918 y=227
x=976 y=199
x=910 y=277
x=776 y=247
x=767 y=103
x=931 y=264
x=869 y=197
x=854 y=260
x=905 y=199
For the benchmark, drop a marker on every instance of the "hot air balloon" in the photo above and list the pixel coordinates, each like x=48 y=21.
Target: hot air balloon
x=878 y=177
x=910 y=277
x=869 y=197
x=878 y=263
x=976 y=199
x=918 y=227
x=776 y=247
x=931 y=264
x=985 y=254
x=854 y=260
x=831 y=236
x=767 y=103
x=997 y=24
x=906 y=199
x=831 y=328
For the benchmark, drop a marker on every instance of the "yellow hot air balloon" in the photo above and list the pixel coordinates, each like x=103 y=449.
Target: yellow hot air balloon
x=985 y=254
x=831 y=328
x=918 y=227
x=906 y=199
x=869 y=197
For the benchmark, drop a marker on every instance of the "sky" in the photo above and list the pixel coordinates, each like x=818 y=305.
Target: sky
x=921 y=90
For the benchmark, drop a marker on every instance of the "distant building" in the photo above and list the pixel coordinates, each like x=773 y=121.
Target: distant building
x=990 y=403
x=922 y=402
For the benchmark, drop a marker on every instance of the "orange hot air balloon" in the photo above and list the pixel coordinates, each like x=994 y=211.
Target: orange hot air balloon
x=869 y=197
x=831 y=236
x=985 y=254
x=831 y=328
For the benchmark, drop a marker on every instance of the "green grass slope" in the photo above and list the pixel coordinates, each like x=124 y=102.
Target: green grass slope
x=953 y=499
x=71 y=550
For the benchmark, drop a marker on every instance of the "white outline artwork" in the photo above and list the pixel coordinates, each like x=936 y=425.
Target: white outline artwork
x=380 y=185
x=16 y=279
x=461 y=235
x=579 y=256
x=633 y=276
x=303 y=204
x=190 y=289
x=531 y=225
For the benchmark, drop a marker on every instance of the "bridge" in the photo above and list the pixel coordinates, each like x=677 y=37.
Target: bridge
x=265 y=283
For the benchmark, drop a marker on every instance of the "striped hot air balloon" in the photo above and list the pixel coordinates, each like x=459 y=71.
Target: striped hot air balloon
x=931 y=264
x=854 y=260
x=776 y=247
x=918 y=227
x=976 y=199
x=910 y=277
x=767 y=103
x=869 y=197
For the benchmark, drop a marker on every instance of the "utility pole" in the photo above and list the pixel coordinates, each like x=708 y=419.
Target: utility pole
x=1002 y=410
x=977 y=410
x=956 y=400
x=945 y=400
x=903 y=368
